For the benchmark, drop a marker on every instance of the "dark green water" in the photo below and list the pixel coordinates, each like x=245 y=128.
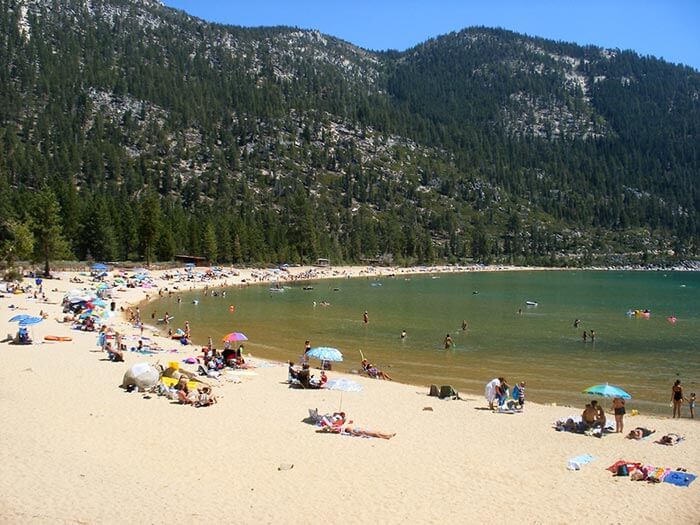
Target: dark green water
x=539 y=345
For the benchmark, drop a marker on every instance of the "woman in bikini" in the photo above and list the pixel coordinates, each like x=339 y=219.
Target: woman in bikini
x=618 y=405
x=677 y=398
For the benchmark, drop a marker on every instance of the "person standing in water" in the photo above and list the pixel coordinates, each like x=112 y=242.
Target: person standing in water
x=464 y=325
x=403 y=334
x=365 y=317
x=448 y=342
x=585 y=336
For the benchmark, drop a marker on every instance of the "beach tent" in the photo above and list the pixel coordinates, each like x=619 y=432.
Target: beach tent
x=141 y=375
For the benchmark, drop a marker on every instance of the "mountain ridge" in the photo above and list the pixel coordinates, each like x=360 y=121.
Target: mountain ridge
x=479 y=144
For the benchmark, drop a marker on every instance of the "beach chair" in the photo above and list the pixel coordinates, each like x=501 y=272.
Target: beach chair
x=447 y=392
x=434 y=391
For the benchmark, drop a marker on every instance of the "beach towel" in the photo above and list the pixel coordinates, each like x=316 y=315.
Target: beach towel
x=680 y=479
x=578 y=461
x=656 y=474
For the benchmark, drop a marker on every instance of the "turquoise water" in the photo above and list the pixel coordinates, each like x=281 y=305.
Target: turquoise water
x=539 y=345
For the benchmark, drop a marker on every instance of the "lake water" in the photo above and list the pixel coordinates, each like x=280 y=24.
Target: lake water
x=539 y=344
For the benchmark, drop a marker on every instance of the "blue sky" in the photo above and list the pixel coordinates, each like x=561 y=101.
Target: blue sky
x=669 y=29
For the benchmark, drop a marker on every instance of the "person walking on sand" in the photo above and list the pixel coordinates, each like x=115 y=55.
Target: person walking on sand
x=618 y=405
x=677 y=398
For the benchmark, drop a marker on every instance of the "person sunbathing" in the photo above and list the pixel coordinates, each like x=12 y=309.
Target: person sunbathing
x=354 y=431
x=639 y=433
x=373 y=371
x=670 y=439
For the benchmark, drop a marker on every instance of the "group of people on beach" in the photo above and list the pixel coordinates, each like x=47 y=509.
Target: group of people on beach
x=498 y=391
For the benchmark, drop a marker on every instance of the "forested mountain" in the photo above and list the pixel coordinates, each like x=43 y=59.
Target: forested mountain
x=129 y=130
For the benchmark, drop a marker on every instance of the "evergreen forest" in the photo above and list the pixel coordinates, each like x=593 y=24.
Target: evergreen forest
x=132 y=131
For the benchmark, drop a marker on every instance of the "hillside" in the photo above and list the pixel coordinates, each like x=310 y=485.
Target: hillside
x=158 y=133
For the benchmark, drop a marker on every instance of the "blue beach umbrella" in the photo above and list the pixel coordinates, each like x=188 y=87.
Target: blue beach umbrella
x=30 y=321
x=607 y=390
x=19 y=318
x=344 y=385
x=325 y=353
x=99 y=267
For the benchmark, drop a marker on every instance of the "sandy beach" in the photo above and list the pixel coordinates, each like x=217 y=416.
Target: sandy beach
x=76 y=448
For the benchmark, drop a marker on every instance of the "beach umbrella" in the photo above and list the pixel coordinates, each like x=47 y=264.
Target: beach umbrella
x=20 y=317
x=99 y=267
x=325 y=353
x=607 y=390
x=344 y=385
x=234 y=336
x=30 y=321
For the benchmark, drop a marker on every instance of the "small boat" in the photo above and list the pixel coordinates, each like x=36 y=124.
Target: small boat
x=308 y=288
x=274 y=289
x=475 y=292
x=375 y=284
x=196 y=301
x=531 y=303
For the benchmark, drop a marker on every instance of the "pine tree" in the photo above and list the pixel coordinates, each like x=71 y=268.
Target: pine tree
x=149 y=225
x=48 y=233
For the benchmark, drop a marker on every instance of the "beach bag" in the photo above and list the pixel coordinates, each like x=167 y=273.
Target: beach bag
x=434 y=392
x=622 y=470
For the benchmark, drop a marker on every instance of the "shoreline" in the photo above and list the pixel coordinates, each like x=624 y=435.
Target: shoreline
x=93 y=445
x=470 y=385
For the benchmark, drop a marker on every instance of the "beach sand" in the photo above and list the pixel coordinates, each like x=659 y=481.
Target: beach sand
x=77 y=448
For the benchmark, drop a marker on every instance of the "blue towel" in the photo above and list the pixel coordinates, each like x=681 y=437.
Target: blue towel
x=575 y=463
x=583 y=459
x=682 y=479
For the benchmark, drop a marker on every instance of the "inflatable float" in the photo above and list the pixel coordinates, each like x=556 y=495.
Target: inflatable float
x=57 y=338
x=639 y=313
